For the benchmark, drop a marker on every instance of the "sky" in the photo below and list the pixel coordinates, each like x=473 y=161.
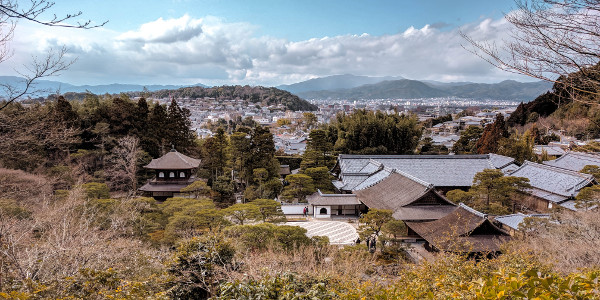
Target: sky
x=266 y=42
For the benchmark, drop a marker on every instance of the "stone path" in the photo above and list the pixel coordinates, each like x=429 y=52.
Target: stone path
x=339 y=233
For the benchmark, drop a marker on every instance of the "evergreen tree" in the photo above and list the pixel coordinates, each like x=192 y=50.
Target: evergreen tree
x=318 y=151
x=467 y=141
x=492 y=134
x=215 y=153
x=179 y=127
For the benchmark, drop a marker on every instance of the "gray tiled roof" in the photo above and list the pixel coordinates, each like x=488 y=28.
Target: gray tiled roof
x=439 y=170
x=500 y=161
x=550 y=150
x=575 y=161
x=319 y=198
x=556 y=181
x=514 y=220
x=351 y=181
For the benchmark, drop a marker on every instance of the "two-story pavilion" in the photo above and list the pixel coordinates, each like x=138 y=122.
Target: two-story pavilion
x=174 y=171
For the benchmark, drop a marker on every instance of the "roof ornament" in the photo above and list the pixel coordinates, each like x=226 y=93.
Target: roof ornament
x=173 y=148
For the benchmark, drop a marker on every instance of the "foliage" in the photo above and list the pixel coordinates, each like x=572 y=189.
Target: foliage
x=242 y=212
x=592 y=170
x=261 y=236
x=495 y=192
x=198 y=266
x=394 y=228
x=517 y=146
x=284 y=286
x=368 y=132
x=216 y=154
x=588 y=198
x=373 y=221
x=95 y=190
x=258 y=94
x=492 y=133
x=466 y=144
x=492 y=192
x=270 y=210
x=299 y=186
x=319 y=150
x=198 y=188
x=426 y=147
x=321 y=178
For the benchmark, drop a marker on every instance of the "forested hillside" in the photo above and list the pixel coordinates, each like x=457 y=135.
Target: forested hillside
x=255 y=94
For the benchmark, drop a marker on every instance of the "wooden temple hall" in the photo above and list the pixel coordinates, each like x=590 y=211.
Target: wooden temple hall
x=173 y=171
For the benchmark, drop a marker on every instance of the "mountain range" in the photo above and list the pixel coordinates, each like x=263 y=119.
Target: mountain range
x=48 y=86
x=362 y=87
x=335 y=82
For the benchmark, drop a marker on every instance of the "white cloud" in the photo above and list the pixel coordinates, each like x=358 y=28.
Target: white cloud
x=212 y=51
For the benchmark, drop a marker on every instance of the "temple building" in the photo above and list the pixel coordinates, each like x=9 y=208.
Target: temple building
x=174 y=171
x=464 y=230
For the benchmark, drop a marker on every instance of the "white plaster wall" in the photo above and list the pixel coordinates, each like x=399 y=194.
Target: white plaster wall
x=295 y=209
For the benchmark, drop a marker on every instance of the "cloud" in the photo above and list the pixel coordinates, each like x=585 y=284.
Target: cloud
x=212 y=51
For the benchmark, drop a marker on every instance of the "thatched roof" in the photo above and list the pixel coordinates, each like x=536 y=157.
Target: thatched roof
x=173 y=160
x=463 y=230
x=408 y=197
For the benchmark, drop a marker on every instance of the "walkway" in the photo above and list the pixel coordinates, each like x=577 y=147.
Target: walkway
x=339 y=233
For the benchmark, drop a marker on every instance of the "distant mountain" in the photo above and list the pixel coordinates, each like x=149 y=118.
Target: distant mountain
x=48 y=87
x=508 y=90
x=334 y=82
x=404 y=88
x=407 y=89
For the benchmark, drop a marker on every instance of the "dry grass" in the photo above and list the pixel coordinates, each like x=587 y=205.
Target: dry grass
x=569 y=246
x=327 y=262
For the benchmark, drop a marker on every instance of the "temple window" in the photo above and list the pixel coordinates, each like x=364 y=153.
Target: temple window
x=161 y=175
x=182 y=174
x=172 y=174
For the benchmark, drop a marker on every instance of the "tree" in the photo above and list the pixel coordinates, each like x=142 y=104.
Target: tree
x=488 y=143
x=368 y=132
x=270 y=210
x=550 y=39
x=124 y=163
x=198 y=188
x=518 y=146
x=497 y=191
x=211 y=218
x=588 y=198
x=53 y=62
x=395 y=228
x=593 y=170
x=310 y=120
x=373 y=221
x=242 y=212
x=321 y=178
x=467 y=141
x=299 y=186
x=318 y=150
x=179 y=126
x=216 y=153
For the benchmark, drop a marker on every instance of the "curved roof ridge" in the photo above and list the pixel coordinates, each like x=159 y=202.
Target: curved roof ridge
x=557 y=169
x=472 y=210
x=413 y=178
x=376 y=181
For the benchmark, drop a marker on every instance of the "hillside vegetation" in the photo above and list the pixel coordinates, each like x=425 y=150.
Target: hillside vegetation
x=256 y=94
